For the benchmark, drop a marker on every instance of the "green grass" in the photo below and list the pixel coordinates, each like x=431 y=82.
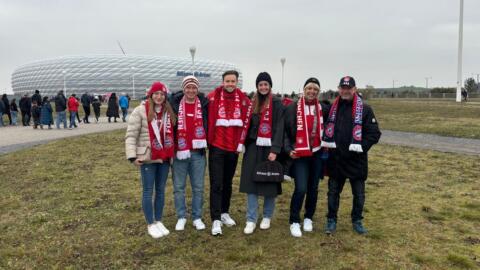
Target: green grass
x=75 y=203
x=446 y=118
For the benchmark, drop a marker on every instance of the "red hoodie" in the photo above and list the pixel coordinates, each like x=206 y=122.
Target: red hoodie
x=73 y=104
x=225 y=138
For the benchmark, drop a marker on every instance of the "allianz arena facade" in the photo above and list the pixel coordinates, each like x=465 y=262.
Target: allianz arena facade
x=101 y=74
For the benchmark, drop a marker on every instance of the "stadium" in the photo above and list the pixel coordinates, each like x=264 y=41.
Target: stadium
x=101 y=74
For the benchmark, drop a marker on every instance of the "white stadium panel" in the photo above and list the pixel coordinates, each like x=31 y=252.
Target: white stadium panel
x=101 y=74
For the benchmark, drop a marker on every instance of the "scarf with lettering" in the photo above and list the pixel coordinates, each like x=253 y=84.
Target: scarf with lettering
x=305 y=143
x=161 y=135
x=199 y=136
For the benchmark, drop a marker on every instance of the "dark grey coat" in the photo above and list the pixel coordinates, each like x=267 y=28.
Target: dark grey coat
x=256 y=154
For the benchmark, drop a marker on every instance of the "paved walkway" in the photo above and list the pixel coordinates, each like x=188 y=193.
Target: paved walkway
x=433 y=142
x=13 y=138
x=16 y=138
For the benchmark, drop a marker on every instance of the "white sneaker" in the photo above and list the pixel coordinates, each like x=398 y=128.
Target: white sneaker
x=216 y=227
x=154 y=231
x=181 y=224
x=199 y=225
x=162 y=228
x=307 y=225
x=265 y=224
x=295 y=230
x=249 y=228
x=227 y=220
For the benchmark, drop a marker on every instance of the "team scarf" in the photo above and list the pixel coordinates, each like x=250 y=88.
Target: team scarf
x=264 y=134
x=306 y=144
x=357 y=113
x=200 y=140
x=229 y=120
x=161 y=135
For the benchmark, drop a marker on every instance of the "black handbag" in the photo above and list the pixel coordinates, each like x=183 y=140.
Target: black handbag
x=268 y=172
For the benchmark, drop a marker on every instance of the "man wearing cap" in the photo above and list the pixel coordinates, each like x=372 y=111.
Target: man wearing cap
x=350 y=131
x=191 y=141
x=227 y=110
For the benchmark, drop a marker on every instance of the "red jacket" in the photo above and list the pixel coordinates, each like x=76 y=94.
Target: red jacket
x=213 y=99
x=73 y=104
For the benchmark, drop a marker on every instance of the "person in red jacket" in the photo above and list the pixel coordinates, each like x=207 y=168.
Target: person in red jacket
x=73 y=109
x=227 y=110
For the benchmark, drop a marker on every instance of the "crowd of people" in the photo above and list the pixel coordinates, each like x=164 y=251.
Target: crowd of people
x=281 y=138
x=38 y=110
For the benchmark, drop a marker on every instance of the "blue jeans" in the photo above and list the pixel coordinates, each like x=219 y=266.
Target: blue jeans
x=73 y=115
x=124 y=114
x=195 y=168
x=307 y=172
x=252 y=206
x=14 y=117
x=62 y=118
x=154 y=175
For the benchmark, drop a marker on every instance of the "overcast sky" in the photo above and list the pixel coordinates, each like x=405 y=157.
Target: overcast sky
x=375 y=41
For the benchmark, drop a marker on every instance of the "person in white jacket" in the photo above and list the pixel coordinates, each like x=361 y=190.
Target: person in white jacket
x=149 y=144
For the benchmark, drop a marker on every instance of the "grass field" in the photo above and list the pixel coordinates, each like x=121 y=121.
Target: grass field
x=83 y=211
x=446 y=118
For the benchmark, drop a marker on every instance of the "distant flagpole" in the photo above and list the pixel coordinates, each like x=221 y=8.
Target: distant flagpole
x=460 y=49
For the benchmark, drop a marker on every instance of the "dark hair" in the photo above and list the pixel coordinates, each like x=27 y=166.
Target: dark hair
x=45 y=99
x=230 y=72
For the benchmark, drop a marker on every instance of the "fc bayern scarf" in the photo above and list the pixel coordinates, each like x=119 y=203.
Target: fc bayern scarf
x=357 y=113
x=306 y=144
x=199 y=136
x=264 y=134
x=229 y=120
x=161 y=135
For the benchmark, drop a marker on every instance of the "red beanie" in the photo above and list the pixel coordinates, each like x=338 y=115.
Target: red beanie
x=157 y=86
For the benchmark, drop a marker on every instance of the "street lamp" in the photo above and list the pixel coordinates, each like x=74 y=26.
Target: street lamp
x=393 y=83
x=282 y=60
x=460 y=48
x=426 y=81
x=133 y=82
x=192 y=53
x=64 y=72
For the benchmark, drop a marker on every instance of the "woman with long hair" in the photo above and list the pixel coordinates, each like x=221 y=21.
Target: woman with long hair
x=149 y=144
x=262 y=139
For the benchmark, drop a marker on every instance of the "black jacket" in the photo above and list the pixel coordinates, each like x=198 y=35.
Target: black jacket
x=38 y=98
x=85 y=100
x=345 y=163
x=25 y=104
x=6 y=104
x=60 y=103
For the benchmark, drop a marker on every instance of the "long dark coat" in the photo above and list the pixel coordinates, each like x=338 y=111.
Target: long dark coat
x=112 y=109
x=256 y=154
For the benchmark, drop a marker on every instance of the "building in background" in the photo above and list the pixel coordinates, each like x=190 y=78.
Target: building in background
x=102 y=74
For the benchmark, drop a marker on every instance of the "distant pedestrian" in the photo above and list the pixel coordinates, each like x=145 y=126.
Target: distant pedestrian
x=37 y=97
x=96 y=108
x=86 y=101
x=73 y=109
x=60 y=109
x=46 y=117
x=7 y=107
x=2 y=110
x=36 y=111
x=112 y=109
x=124 y=103
x=14 y=111
x=25 y=108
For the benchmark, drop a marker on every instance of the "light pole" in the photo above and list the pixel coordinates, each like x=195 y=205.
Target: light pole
x=393 y=83
x=193 y=49
x=282 y=60
x=64 y=72
x=426 y=81
x=133 y=82
x=460 y=49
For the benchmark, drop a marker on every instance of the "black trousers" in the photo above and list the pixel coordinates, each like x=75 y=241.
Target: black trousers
x=335 y=187
x=25 y=118
x=86 y=109
x=221 y=167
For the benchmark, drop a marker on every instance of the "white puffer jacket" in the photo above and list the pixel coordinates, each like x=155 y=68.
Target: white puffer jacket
x=137 y=139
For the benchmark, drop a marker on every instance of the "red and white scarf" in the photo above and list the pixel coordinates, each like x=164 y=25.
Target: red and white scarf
x=161 y=135
x=199 y=136
x=305 y=144
x=229 y=120
x=357 y=114
x=264 y=134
